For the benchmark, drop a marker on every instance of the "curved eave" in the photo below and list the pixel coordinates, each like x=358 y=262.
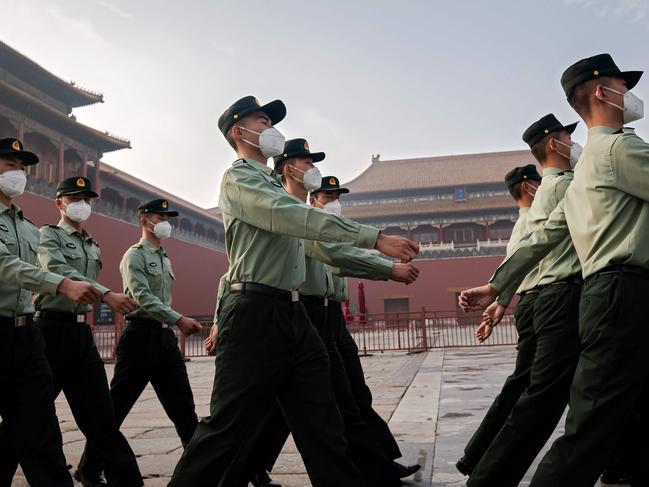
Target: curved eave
x=130 y=181
x=43 y=113
x=33 y=73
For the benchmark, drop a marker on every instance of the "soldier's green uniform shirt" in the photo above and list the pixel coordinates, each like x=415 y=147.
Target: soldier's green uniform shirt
x=148 y=277
x=19 y=276
x=562 y=261
x=69 y=253
x=351 y=262
x=605 y=209
x=264 y=228
x=520 y=229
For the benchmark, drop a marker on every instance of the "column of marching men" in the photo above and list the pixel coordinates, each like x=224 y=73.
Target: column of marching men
x=284 y=359
x=579 y=258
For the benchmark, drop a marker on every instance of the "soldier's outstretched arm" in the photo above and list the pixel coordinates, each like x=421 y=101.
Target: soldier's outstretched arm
x=509 y=275
x=246 y=195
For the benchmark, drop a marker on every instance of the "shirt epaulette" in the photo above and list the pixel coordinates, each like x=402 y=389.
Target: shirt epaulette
x=23 y=217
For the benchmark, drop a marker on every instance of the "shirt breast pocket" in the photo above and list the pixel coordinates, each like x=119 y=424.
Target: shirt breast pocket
x=153 y=272
x=8 y=242
x=73 y=260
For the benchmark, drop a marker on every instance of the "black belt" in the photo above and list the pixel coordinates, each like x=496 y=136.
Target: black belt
x=534 y=290
x=621 y=268
x=146 y=322
x=16 y=321
x=575 y=280
x=317 y=300
x=242 y=287
x=61 y=316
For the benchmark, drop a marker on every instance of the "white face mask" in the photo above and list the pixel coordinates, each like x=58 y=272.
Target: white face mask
x=633 y=107
x=12 y=183
x=312 y=178
x=575 y=152
x=78 y=211
x=333 y=207
x=161 y=230
x=271 y=141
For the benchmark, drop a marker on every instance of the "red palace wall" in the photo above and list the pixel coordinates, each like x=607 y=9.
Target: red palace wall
x=197 y=269
x=436 y=288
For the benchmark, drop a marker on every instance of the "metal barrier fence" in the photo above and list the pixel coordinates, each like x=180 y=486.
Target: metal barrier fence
x=425 y=330
x=412 y=331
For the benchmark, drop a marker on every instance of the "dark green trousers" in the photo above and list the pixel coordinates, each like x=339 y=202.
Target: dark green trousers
x=267 y=350
x=539 y=409
x=79 y=372
x=364 y=447
x=148 y=353
x=30 y=427
x=362 y=394
x=514 y=385
x=610 y=384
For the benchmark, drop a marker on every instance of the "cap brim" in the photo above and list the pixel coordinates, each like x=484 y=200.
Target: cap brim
x=276 y=111
x=570 y=128
x=168 y=212
x=91 y=194
x=27 y=158
x=631 y=78
x=338 y=190
x=316 y=156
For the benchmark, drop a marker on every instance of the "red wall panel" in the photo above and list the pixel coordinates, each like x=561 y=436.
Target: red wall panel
x=435 y=289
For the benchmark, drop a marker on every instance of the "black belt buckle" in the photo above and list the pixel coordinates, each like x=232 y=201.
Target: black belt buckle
x=22 y=320
x=242 y=287
x=16 y=321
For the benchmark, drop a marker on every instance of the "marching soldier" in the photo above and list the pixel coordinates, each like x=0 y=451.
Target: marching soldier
x=522 y=183
x=148 y=348
x=555 y=322
x=327 y=197
x=606 y=212
x=364 y=449
x=266 y=346
x=30 y=426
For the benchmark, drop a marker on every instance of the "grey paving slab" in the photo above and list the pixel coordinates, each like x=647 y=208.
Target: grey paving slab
x=472 y=377
x=433 y=401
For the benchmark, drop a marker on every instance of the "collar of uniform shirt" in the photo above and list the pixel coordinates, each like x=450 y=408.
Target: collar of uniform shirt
x=261 y=166
x=149 y=246
x=69 y=229
x=14 y=208
x=603 y=129
x=548 y=171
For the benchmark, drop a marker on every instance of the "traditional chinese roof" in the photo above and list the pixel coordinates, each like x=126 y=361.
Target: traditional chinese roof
x=436 y=172
x=29 y=71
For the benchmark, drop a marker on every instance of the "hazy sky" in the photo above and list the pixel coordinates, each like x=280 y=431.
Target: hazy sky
x=399 y=78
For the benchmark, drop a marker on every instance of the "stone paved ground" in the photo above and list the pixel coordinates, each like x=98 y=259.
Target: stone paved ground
x=433 y=401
